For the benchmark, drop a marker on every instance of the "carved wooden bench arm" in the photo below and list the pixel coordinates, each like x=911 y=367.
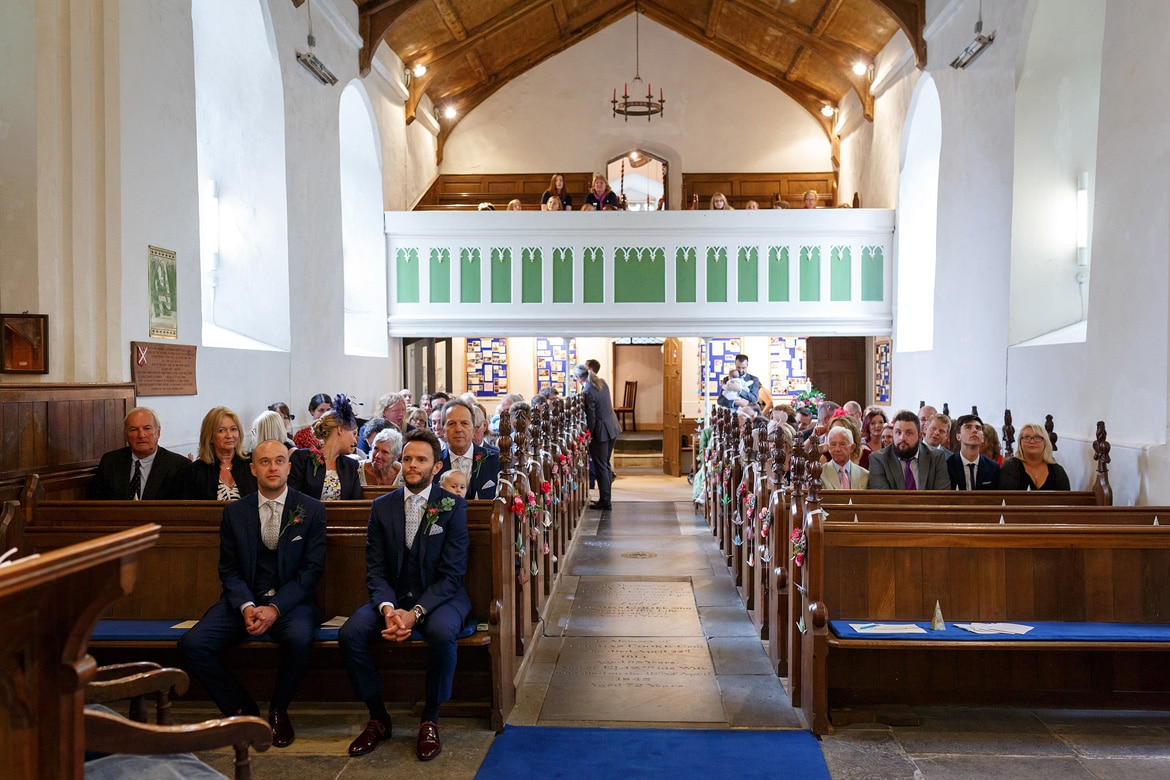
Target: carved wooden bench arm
x=135 y=681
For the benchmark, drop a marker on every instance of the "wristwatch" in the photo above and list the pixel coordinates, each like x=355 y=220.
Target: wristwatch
x=418 y=613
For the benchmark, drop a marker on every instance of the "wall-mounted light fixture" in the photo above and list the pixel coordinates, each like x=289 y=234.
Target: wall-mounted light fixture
x=975 y=47
x=1083 y=219
x=310 y=61
x=827 y=110
x=410 y=74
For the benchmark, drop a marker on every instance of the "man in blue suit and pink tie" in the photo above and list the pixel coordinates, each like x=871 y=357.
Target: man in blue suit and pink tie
x=416 y=557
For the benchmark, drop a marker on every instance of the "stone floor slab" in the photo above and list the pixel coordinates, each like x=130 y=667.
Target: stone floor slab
x=605 y=607
x=1015 y=767
x=867 y=754
x=1128 y=768
x=756 y=702
x=716 y=591
x=639 y=556
x=727 y=621
x=652 y=680
x=739 y=655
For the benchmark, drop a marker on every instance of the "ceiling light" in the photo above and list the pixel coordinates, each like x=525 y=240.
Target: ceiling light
x=637 y=106
x=419 y=69
x=975 y=47
x=826 y=110
x=860 y=68
x=450 y=113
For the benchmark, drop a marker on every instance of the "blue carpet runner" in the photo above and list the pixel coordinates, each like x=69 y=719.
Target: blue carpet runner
x=678 y=754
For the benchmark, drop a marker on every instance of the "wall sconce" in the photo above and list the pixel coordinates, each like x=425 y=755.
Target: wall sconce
x=410 y=74
x=1083 y=219
x=827 y=110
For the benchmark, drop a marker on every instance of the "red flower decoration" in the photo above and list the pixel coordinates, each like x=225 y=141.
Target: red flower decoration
x=517 y=505
x=546 y=487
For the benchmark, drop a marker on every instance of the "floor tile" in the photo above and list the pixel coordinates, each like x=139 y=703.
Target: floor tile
x=739 y=655
x=727 y=621
x=757 y=702
x=992 y=767
x=867 y=754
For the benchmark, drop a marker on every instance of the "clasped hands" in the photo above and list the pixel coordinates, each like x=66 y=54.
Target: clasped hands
x=257 y=620
x=399 y=624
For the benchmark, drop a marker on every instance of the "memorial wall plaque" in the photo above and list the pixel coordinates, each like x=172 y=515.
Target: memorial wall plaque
x=162 y=369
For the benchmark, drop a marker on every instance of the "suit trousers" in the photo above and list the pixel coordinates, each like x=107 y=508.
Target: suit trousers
x=440 y=629
x=599 y=455
x=222 y=627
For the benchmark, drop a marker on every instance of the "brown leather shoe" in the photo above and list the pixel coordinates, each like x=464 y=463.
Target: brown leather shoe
x=374 y=732
x=428 y=741
x=282 y=730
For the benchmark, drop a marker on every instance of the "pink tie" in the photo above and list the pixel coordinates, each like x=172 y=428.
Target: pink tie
x=844 y=477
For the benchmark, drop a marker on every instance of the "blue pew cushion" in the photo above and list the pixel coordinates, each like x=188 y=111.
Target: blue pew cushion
x=1042 y=631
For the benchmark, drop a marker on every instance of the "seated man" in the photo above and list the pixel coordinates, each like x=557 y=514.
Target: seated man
x=969 y=468
x=141 y=470
x=937 y=433
x=272 y=552
x=416 y=557
x=841 y=473
x=908 y=464
x=479 y=464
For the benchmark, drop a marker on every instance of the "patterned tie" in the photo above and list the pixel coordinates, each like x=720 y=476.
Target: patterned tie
x=844 y=477
x=270 y=526
x=136 y=481
x=909 y=475
x=971 y=479
x=463 y=463
x=413 y=517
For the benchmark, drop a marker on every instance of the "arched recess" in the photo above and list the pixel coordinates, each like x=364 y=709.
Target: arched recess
x=243 y=209
x=641 y=176
x=363 y=238
x=916 y=239
x=1057 y=101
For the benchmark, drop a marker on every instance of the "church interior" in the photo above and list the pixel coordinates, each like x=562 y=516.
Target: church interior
x=253 y=201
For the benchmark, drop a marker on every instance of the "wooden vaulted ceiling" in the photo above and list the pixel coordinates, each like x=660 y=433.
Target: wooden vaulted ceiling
x=471 y=48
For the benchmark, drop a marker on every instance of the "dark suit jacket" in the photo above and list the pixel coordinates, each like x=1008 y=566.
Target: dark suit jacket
x=599 y=414
x=205 y=479
x=442 y=553
x=751 y=387
x=302 y=476
x=170 y=477
x=986 y=473
x=885 y=470
x=300 y=553
x=484 y=477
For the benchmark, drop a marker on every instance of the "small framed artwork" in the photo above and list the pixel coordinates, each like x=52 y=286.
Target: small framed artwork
x=24 y=348
x=882 y=354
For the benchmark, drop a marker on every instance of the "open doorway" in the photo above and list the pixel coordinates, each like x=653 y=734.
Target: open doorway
x=639 y=178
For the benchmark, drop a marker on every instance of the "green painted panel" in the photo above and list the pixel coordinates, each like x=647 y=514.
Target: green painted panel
x=748 y=273
x=685 y=265
x=563 y=275
x=501 y=275
x=407 y=268
x=872 y=273
x=531 y=283
x=810 y=273
x=777 y=273
x=594 y=275
x=470 y=275
x=840 y=274
x=717 y=274
x=639 y=275
x=440 y=276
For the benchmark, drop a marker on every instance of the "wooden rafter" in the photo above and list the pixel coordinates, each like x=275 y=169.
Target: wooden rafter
x=450 y=19
x=375 y=18
x=713 y=18
x=911 y=17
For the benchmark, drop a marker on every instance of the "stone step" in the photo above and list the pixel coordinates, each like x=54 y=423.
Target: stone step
x=639 y=461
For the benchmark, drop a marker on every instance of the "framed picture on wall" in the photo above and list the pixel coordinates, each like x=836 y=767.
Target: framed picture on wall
x=24 y=348
x=882 y=351
x=162 y=282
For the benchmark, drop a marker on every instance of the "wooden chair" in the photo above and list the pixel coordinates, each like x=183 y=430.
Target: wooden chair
x=627 y=407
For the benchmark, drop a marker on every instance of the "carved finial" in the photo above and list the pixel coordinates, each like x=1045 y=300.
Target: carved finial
x=946 y=409
x=1009 y=433
x=1048 y=427
x=1101 y=449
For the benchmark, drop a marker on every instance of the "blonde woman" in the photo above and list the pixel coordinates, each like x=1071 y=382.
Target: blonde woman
x=221 y=472
x=719 y=202
x=329 y=473
x=1032 y=467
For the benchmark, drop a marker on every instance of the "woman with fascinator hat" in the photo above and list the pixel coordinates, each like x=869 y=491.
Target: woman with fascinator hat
x=328 y=473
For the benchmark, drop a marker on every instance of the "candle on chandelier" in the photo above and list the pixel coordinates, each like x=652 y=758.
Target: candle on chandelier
x=625 y=90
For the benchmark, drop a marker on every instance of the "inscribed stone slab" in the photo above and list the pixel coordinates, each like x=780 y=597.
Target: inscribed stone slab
x=621 y=608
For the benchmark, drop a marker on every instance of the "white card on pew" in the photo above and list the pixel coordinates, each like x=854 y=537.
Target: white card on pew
x=995 y=628
x=887 y=628
x=185 y=624
x=335 y=622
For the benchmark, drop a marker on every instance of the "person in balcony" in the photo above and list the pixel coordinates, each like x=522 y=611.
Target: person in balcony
x=810 y=199
x=556 y=189
x=719 y=202
x=601 y=197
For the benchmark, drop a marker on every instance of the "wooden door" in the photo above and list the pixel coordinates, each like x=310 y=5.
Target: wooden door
x=671 y=405
x=836 y=366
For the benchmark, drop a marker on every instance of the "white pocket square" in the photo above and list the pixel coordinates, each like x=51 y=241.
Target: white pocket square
x=297 y=538
x=435 y=529
x=484 y=486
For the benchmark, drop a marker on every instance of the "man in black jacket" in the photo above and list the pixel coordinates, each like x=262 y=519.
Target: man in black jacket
x=141 y=470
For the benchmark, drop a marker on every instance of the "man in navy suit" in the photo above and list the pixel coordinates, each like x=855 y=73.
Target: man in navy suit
x=271 y=553
x=969 y=468
x=416 y=556
x=908 y=464
x=142 y=469
x=479 y=464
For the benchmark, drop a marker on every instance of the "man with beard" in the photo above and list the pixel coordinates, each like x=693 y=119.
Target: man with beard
x=907 y=463
x=416 y=557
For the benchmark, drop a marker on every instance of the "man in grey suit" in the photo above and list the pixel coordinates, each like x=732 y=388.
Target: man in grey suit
x=908 y=464
x=603 y=430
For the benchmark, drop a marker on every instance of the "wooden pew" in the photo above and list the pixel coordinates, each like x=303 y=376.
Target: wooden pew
x=886 y=571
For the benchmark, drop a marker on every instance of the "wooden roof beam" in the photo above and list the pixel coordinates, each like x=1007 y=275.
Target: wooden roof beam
x=713 y=18
x=450 y=19
x=375 y=18
x=911 y=17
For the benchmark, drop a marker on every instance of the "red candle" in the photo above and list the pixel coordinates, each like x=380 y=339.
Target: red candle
x=660 y=94
x=625 y=90
x=649 y=90
x=615 y=94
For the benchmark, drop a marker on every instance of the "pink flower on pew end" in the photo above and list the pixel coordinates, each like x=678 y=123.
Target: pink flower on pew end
x=531 y=499
x=799 y=545
x=546 y=487
x=799 y=559
x=517 y=505
x=795 y=537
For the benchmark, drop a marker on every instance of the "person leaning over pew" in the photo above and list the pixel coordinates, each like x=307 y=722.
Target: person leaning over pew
x=1032 y=467
x=969 y=468
x=141 y=470
x=271 y=554
x=907 y=463
x=416 y=557
x=221 y=472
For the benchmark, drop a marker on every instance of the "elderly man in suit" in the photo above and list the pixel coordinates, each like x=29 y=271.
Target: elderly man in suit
x=603 y=432
x=142 y=469
x=969 y=468
x=841 y=473
x=481 y=465
x=416 y=557
x=907 y=463
x=271 y=554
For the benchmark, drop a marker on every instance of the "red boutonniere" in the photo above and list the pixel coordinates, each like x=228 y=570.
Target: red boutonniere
x=295 y=517
x=432 y=511
x=318 y=458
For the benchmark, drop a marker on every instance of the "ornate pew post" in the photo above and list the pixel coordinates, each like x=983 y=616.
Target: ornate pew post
x=1009 y=433
x=794 y=520
x=1101 y=488
x=815 y=614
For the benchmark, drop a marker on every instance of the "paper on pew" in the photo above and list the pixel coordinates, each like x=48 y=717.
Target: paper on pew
x=887 y=628
x=185 y=624
x=335 y=622
x=994 y=628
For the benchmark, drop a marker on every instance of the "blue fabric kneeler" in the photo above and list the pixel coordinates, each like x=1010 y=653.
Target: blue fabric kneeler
x=161 y=631
x=1042 y=631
